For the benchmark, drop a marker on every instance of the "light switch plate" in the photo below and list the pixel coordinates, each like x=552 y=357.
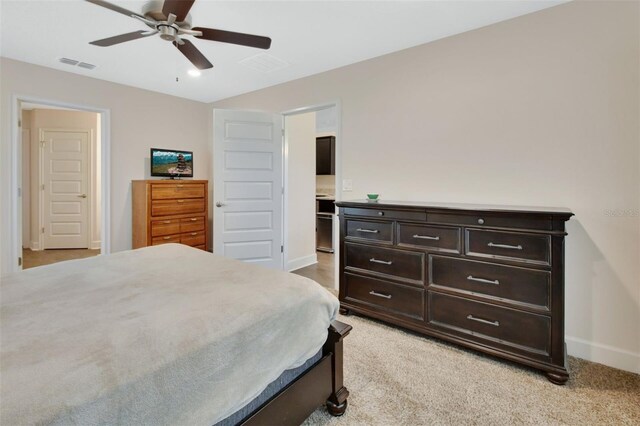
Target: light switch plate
x=347 y=184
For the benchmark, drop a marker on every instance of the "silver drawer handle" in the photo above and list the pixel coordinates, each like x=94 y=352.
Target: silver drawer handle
x=371 y=231
x=482 y=280
x=167 y=238
x=426 y=237
x=384 y=262
x=386 y=296
x=194 y=233
x=484 y=321
x=193 y=219
x=505 y=246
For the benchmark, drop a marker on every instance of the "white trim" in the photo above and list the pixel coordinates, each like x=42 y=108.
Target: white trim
x=105 y=176
x=302 y=262
x=338 y=195
x=603 y=354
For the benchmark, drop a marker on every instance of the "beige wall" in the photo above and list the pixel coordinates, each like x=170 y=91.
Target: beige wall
x=139 y=120
x=301 y=202
x=538 y=110
x=51 y=119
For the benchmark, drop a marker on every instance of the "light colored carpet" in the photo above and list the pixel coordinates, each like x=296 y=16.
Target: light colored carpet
x=400 y=378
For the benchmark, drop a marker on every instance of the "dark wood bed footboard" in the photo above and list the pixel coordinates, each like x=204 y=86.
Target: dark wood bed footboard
x=320 y=384
x=337 y=402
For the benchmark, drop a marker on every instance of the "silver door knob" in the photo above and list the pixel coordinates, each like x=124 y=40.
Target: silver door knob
x=82 y=196
x=219 y=204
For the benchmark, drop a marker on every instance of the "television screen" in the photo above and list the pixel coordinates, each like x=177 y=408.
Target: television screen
x=171 y=163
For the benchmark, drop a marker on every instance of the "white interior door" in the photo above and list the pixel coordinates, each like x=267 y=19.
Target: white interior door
x=65 y=176
x=248 y=182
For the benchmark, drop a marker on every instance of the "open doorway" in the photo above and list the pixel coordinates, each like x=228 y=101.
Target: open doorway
x=61 y=184
x=310 y=182
x=265 y=188
x=27 y=181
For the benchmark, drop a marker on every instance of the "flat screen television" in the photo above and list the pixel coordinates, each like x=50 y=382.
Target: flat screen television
x=171 y=163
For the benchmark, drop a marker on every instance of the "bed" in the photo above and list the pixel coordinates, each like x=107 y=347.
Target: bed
x=167 y=335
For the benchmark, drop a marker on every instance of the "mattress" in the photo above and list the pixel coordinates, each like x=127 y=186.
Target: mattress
x=159 y=335
x=273 y=388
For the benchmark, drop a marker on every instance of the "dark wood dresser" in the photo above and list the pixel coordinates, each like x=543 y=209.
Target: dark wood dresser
x=170 y=211
x=490 y=278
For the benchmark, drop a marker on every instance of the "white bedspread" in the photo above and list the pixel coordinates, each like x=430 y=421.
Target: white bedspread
x=160 y=335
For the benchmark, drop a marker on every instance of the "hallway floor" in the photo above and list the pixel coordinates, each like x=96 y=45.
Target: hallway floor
x=322 y=272
x=31 y=258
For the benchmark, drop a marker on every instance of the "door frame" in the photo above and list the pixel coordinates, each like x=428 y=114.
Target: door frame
x=90 y=183
x=15 y=211
x=338 y=195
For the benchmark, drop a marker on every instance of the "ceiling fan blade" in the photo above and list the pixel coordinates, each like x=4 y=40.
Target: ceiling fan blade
x=235 y=38
x=193 y=54
x=180 y=8
x=110 y=41
x=115 y=8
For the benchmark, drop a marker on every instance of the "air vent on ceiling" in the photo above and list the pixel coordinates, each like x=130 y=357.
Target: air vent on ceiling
x=69 y=61
x=86 y=65
x=73 y=62
x=263 y=62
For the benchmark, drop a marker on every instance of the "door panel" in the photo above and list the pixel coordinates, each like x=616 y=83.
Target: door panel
x=65 y=175
x=247 y=199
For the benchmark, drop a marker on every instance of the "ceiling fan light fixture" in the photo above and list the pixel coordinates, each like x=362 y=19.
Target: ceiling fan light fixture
x=167 y=32
x=194 y=73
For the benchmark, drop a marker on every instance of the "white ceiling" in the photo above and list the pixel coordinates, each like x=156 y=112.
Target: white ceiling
x=311 y=36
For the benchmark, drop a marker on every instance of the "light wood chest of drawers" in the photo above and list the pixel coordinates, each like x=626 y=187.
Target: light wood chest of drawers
x=488 y=277
x=170 y=211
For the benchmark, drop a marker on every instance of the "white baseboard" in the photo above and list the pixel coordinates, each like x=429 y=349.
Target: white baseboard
x=603 y=354
x=301 y=262
x=95 y=245
x=35 y=245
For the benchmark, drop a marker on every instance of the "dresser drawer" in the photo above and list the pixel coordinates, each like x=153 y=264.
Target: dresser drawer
x=507 y=283
x=436 y=238
x=181 y=206
x=165 y=240
x=365 y=230
x=392 y=298
x=193 y=238
x=484 y=322
x=177 y=190
x=191 y=224
x=479 y=219
x=384 y=213
x=527 y=248
x=399 y=264
x=165 y=227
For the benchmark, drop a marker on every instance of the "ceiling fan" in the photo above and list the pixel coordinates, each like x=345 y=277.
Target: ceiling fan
x=172 y=21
